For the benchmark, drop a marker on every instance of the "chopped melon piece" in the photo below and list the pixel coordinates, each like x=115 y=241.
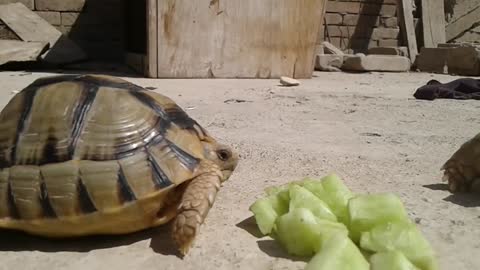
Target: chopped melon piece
x=302 y=198
x=403 y=237
x=368 y=210
x=390 y=260
x=301 y=233
x=333 y=192
x=267 y=209
x=339 y=253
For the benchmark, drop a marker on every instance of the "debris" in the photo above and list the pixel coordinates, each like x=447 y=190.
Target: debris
x=329 y=48
x=20 y=51
x=234 y=100
x=287 y=81
x=377 y=63
x=31 y=27
x=328 y=62
x=401 y=51
x=371 y=134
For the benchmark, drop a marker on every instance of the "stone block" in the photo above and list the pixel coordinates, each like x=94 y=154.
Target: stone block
x=59 y=5
x=329 y=48
x=328 y=62
x=385 y=33
x=340 y=43
x=52 y=17
x=28 y=3
x=401 y=51
x=388 y=42
x=333 y=18
x=391 y=22
x=69 y=18
x=355 y=19
x=392 y=2
x=464 y=61
x=382 y=63
x=7 y=33
x=432 y=60
x=358 y=31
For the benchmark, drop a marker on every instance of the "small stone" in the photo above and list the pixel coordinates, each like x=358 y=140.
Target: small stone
x=418 y=220
x=287 y=81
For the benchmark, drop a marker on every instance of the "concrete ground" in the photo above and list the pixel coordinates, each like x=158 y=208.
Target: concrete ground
x=367 y=128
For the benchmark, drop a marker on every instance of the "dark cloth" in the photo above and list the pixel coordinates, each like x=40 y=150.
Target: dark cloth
x=464 y=88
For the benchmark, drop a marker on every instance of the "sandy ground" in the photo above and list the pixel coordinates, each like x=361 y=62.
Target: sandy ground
x=365 y=127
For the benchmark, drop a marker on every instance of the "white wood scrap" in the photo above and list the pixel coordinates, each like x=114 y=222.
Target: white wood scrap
x=31 y=27
x=20 y=51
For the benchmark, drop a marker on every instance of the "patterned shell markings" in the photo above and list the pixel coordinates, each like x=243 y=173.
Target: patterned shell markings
x=72 y=145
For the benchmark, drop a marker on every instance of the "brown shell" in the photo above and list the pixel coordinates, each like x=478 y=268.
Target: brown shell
x=77 y=144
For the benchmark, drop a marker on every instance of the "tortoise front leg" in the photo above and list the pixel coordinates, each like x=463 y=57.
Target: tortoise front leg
x=194 y=205
x=462 y=170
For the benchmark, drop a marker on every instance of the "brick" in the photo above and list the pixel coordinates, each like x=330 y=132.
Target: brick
x=388 y=42
x=432 y=60
x=69 y=18
x=385 y=63
x=59 y=5
x=391 y=22
x=28 y=3
x=328 y=62
x=385 y=33
x=51 y=17
x=343 y=7
x=333 y=18
x=339 y=42
x=354 y=19
x=64 y=29
x=349 y=31
x=363 y=44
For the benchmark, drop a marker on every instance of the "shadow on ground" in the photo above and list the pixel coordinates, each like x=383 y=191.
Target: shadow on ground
x=160 y=242
x=462 y=199
x=267 y=245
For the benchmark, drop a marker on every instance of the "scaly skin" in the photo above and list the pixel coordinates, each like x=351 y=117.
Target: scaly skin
x=462 y=170
x=195 y=203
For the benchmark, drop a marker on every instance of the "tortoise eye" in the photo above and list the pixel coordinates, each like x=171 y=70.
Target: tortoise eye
x=223 y=154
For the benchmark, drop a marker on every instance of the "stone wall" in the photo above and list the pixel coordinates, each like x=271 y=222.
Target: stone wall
x=97 y=26
x=357 y=25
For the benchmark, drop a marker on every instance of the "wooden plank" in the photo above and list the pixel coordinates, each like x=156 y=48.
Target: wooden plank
x=459 y=26
x=433 y=21
x=31 y=27
x=152 y=41
x=405 y=11
x=20 y=51
x=237 y=39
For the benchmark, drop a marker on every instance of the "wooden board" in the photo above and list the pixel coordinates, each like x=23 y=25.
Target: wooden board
x=152 y=41
x=459 y=26
x=31 y=27
x=237 y=39
x=20 y=51
x=405 y=11
x=433 y=21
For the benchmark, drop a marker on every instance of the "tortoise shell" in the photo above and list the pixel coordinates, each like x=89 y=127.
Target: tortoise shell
x=82 y=154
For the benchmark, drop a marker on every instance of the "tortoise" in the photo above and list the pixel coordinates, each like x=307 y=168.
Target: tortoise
x=97 y=155
x=462 y=169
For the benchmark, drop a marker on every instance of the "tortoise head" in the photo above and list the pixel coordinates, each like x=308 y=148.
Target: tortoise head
x=222 y=155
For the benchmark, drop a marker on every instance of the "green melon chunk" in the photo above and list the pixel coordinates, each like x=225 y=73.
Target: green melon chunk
x=365 y=211
x=390 y=260
x=333 y=192
x=403 y=237
x=267 y=209
x=302 y=198
x=338 y=253
x=301 y=233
